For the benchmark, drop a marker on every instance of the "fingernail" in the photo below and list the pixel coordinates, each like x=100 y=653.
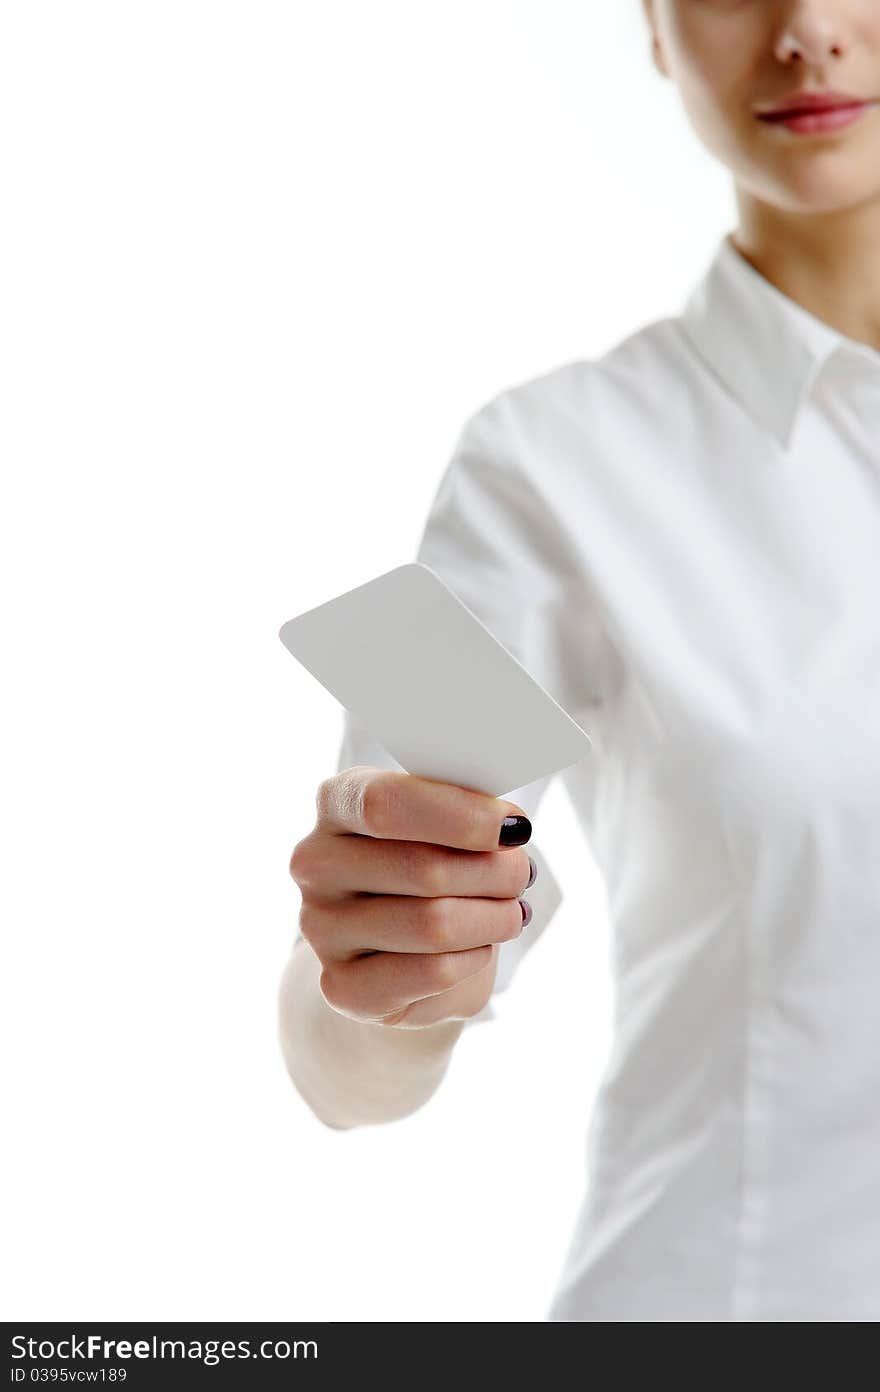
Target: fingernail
x=515 y=831
x=526 y=911
x=533 y=874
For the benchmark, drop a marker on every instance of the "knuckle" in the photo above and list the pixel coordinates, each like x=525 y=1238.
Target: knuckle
x=294 y=865
x=339 y=799
x=431 y=876
x=340 y=989
x=302 y=861
x=325 y=796
x=444 y=971
x=435 y=922
x=313 y=929
x=330 y=983
x=379 y=799
x=309 y=924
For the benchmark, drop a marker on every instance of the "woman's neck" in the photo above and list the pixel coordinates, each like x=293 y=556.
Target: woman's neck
x=827 y=262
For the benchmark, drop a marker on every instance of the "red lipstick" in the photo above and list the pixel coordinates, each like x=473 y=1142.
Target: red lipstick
x=809 y=112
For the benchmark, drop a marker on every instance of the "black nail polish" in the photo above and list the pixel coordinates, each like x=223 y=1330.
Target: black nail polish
x=526 y=911
x=533 y=874
x=515 y=831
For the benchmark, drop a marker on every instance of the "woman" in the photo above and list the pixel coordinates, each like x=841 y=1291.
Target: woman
x=681 y=541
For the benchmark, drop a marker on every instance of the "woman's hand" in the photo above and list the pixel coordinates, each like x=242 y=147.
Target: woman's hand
x=407 y=891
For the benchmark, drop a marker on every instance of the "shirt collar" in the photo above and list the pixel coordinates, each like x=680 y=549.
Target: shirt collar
x=765 y=347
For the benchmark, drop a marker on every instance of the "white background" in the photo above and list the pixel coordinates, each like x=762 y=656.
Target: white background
x=260 y=261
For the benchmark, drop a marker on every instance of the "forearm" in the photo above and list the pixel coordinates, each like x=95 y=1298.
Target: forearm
x=354 y=1073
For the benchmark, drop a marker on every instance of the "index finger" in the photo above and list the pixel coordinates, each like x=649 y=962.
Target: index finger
x=398 y=806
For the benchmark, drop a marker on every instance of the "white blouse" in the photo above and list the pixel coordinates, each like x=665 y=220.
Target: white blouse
x=681 y=541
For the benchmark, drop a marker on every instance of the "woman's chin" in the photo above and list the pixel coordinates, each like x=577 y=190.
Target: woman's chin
x=814 y=183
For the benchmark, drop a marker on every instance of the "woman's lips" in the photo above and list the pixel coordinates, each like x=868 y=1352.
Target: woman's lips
x=807 y=122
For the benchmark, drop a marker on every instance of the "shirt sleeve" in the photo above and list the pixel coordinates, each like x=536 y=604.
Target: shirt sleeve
x=490 y=535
